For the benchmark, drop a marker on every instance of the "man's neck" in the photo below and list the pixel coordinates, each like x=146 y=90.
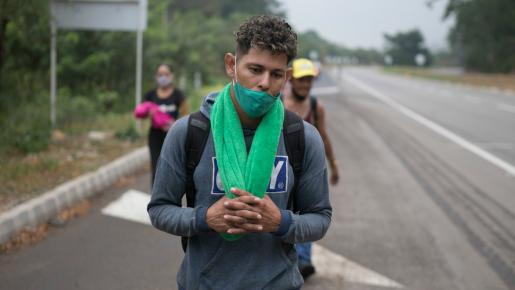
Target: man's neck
x=294 y=98
x=246 y=121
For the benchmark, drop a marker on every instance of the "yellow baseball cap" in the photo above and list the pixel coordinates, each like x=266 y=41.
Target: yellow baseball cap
x=303 y=67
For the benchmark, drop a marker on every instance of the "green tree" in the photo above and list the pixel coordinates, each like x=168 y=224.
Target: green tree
x=9 y=10
x=312 y=41
x=96 y=69
x=404 y=46
x=193 y=35
x=484 y=33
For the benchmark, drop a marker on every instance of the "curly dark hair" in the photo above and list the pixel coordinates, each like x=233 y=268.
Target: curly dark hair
x=267 y=32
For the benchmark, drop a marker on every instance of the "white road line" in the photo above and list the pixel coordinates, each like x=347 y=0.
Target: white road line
x=325 y=90
x=510 y=169
x=132 y=205
x=332 y=265
x=505 y=107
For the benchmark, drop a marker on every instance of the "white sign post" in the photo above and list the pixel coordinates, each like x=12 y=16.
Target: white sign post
x=108 y=15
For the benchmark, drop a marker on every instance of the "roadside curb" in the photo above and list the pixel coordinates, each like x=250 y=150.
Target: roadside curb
x=44 y=207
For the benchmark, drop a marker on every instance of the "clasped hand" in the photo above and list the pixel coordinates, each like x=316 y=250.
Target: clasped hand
x=243 y=214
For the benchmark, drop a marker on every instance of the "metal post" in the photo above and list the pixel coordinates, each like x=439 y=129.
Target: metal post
x=139 y=56
x=53 y=79
x=139 y=51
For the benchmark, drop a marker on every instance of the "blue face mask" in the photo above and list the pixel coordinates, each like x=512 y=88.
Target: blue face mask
x=254 y=103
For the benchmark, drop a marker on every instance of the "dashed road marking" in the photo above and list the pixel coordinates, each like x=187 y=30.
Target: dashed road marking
x=132 y=205
x=332 y=265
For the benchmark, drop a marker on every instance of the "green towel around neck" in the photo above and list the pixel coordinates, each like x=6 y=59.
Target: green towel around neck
x=237 y=169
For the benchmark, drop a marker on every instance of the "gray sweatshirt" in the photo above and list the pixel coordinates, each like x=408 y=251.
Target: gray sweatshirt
x=257 y=260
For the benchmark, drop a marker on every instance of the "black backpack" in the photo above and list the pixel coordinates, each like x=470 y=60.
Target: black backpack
x=199 y=127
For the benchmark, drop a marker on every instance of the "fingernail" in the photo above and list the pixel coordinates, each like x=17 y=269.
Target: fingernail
x=259 y=216
x=257 y=198
x=229 y=231
x=225 y=216
x=233 y=189
x=260 y=228
x=226 y=203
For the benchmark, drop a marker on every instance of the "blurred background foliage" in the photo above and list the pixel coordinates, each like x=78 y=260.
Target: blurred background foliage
x=96 y=70
x=484 y=34
x=403 y=47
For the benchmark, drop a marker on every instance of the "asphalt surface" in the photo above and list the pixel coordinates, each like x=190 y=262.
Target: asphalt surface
x=97 y=252
x=412 y=205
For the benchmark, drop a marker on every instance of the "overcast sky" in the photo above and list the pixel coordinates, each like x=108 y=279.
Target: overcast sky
x=361 y=23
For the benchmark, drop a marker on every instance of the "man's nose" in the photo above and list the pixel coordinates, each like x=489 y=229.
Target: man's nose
x=264 y=83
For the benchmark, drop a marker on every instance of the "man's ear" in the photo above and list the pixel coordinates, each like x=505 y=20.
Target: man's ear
x=229 y=60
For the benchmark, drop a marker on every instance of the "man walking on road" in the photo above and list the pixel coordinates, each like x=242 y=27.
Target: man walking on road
x=248 y=207
x=297 y=98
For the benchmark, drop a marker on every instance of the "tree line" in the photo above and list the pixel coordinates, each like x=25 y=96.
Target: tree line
x=483 y=36
x=96 y=70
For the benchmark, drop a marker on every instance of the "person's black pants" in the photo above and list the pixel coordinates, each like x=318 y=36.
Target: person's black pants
x=156 y=137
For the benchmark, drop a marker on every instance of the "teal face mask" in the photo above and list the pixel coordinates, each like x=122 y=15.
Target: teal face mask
x=254 y=103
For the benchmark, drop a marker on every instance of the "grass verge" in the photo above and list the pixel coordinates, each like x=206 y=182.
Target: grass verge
x=77 y=148
x=505 y=82
x=74 y=150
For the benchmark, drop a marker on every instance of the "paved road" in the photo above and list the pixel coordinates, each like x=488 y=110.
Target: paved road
x=483 y=117
x=97 y=252
x=414 y=205
x=415 y=210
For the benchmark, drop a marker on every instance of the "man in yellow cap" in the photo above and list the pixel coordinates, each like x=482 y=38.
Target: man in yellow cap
x=297 y=98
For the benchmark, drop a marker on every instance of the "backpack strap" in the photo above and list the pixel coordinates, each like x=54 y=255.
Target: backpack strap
x=314 y=104
x=199 y=127
x=293 y=132
x=196 y=138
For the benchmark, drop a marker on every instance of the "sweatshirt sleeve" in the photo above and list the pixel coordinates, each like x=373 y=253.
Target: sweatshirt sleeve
x=312 y=197
x=165 y=207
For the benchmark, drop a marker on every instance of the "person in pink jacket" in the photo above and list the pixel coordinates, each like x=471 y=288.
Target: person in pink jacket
x=163 y=105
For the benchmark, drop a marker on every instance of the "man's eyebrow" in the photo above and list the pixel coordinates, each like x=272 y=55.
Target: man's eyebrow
x=262 y=67
x=255 y=64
